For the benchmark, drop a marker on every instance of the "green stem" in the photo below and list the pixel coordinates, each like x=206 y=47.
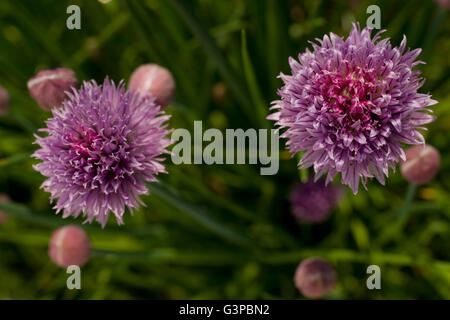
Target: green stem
x=25 y=123
x=344 y=255
x=394 y=227
x=52 y=221
x=241 y=212
x=258 y=100
x=216 y=57
x=403 y=213
x=15 y=159
x=432 y=32
x=173 y=256
x=201 y=216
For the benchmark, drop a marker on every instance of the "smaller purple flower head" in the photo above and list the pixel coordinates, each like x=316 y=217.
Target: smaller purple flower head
x=102 y=145
x=312 y=202
x=352 y=104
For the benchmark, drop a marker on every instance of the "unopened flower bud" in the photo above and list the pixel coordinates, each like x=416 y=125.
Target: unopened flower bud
x=312 y=202
x=48 y=87
x=315 y=277
x=3 y=216
x=70 y=245
x=421 y=165
x=219 y=92
x=154 y=80
x=4 y=101
x=445 y=4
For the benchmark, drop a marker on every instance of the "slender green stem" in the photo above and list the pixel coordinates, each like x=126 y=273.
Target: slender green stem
x=52 y=221
x=252 y=83
x=15 y=159
x=25 y=123
x=344 y=255
x=403 y=213
x=432 y=32
x=107 y=33
x=173 y=256
x=304 y=173
x=177 y=257
x=393 y=228
x=281 y=234
x=218 y=200
x=216 y=56
x=206 y=219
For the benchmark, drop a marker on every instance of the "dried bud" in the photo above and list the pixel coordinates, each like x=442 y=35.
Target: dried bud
x=155 y=80
x=315 y=277
x=421 y=165
x=4 y=101
x=3 y=216
x=219 y=92
x=312 y=202
x=48 y=87
x=70 y=245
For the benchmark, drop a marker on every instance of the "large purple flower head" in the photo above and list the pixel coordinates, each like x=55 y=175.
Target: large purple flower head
x=351 y=104
x=101 y=147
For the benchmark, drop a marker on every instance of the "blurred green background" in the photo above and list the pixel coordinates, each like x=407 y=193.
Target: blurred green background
x=226 y=232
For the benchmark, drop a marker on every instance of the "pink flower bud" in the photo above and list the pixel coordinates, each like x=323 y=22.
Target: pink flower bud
x=48 y=87
x=445 y=4
x=155 y=80
x=421 y=165
x=3 y=216
x=315 y=277
x=70 y=245
x=4 y=101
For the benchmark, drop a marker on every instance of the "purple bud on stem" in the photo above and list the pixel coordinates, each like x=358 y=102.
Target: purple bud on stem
x=70 y=245
x=48 y=87
x=421 y=165
x=154 y=80
x=315 y=277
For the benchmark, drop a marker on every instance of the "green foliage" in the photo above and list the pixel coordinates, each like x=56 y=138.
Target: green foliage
x=217 y=232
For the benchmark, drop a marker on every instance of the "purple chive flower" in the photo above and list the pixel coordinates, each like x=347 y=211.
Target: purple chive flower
x=102 y=144
x=350 y=105
x=312 y=202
